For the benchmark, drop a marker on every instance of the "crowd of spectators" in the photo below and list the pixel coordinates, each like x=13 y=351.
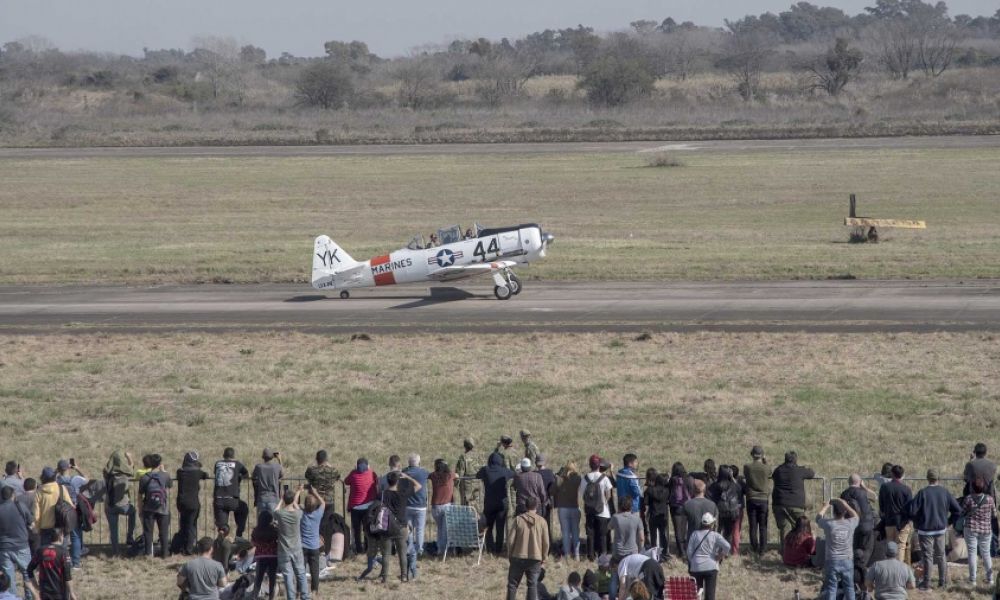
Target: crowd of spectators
x=613 y=523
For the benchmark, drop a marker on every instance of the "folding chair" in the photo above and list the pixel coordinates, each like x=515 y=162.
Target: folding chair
x=681 y=588
x=462 y=523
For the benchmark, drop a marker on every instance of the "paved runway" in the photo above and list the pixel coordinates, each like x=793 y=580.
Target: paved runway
x=928 y=142
x=821 y=306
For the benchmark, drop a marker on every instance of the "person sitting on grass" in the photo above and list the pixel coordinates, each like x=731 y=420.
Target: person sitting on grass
x=5 y=584
x=571 y=589
x=202 y=578
x=799 y=545
x=222 y=548
x=589 y=586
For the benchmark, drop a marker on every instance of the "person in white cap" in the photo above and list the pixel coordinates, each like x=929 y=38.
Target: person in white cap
x=704 y=551
x=529 y=484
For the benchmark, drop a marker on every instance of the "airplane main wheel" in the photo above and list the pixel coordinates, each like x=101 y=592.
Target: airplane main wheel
x=344 y=295
x=515 y=285
x=502 y=293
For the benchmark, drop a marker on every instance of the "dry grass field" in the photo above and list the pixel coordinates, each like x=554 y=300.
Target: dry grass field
x=844 y=402
x=721 y=215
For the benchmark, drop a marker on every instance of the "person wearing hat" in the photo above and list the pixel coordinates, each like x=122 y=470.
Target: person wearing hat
x=531 y=451
x=189 y=478
x=266 y=478
x=466 y=467
x=757 y=475
x=932 y=509
x=528 y=483
x=363 y=485
x=505 y=448
x=838 y=564
x=46 y=496
x=890 y=578
x=788 y=498
x=705 y=549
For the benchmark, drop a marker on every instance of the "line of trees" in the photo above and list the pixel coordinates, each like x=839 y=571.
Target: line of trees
x=896 y=37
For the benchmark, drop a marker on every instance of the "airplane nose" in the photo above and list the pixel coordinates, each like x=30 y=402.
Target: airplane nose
x=547 y=238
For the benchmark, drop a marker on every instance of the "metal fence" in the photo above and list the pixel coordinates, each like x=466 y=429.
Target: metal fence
x=819 y=490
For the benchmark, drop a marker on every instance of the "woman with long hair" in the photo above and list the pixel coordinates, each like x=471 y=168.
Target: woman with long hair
x=265 y=544
x=799 y=545
x=680 y=489
x=567 y=504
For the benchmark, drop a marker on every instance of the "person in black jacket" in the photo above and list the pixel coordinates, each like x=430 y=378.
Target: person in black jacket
x=788 y=498
x=495 y=477
x=189 y=478
x=728 y=497
x=656 y=501
x=893 y=499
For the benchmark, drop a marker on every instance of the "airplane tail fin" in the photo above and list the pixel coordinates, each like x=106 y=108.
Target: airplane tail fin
x=329 y=258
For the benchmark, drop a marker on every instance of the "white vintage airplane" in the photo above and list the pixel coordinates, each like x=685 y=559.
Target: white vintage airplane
x=448 y=256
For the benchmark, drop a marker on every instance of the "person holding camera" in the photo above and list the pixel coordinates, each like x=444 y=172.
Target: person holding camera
x=266 y=480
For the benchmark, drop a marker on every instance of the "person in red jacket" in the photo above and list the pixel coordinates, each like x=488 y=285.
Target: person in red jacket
x=363 y=483
x=800 y=545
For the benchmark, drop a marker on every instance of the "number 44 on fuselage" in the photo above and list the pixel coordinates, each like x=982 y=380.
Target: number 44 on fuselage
x=448 y=256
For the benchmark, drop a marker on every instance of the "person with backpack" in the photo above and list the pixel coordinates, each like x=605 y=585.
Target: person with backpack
x=155 y=506
x=387 y=523
x=189 y=478
x=595 y=492
x=728 y=497
x=118 y=472
x=757 y=474
x=70 y=477
x=229 y=475
x=53 y=508
x=978 y=509
x=54 y=569
x=656 y=500
x=680 y=487
x=495 y=477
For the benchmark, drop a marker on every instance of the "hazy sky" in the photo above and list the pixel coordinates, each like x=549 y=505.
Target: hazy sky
x=391 y=27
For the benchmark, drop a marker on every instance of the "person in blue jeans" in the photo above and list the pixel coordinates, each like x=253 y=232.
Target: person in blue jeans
x=416 y=510
x=838 y=568
x=15 y=523
x=72 y=478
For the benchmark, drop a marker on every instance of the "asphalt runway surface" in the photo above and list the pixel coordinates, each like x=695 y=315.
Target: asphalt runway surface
x=890 y=143
x=815 y=306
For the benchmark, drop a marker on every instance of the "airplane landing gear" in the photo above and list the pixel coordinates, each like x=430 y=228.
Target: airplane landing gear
x=344 y=295
x=502 y=293
x=514 y=283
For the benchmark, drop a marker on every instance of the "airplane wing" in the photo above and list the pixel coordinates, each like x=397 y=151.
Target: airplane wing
x=463 y=271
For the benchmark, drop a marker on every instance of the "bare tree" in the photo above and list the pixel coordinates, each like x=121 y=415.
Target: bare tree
x=936 y=42
x=896 y=45
x=832 y=71
x=744 y=57
x=220 y=61
x=502 y=75
x=418 y=82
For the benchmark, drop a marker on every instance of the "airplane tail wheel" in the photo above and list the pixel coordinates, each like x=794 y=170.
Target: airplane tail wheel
x=502 y=293
x=515 y=285
x=344 y=295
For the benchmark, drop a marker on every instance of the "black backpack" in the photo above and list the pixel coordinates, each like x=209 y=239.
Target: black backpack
x=66 y=518
x=729 y=501
x=593 y=496
x=155 y=496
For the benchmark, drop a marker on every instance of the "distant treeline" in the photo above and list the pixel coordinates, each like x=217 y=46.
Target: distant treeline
x=824 y=49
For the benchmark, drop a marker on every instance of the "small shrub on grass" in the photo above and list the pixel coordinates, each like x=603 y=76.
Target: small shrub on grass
x=663 y=159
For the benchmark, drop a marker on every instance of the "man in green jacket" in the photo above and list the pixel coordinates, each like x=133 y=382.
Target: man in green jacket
x=757 y=474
